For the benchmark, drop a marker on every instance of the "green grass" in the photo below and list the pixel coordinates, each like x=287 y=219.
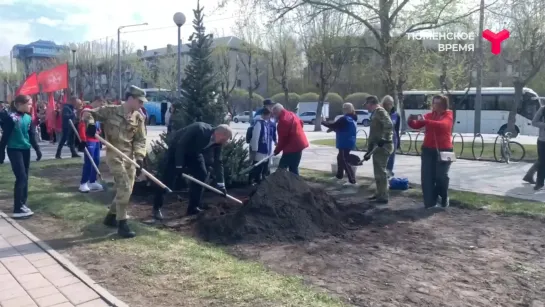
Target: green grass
x=463 y=151
x=468 y=200
x=198 y=272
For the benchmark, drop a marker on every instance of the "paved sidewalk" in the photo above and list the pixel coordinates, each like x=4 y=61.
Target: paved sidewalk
x=29 y=276
x=465 y=175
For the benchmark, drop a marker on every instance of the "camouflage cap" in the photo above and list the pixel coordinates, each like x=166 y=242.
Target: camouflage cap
x=137 y=93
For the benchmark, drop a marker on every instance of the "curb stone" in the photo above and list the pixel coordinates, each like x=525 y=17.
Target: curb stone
x=65 y=263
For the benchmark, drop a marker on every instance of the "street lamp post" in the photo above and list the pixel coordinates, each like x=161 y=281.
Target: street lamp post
x=73 y=47
x=179 y=20
x=119 y=52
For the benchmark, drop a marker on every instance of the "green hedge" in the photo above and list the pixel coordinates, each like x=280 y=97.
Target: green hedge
x=309 y=97
x=357 y=99
x=291 y=104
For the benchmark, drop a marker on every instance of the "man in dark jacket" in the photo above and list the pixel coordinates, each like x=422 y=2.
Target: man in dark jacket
x=190 y=150
x=68 y=113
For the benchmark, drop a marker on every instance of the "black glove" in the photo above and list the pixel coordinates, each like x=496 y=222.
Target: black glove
x=367 y=156
x=139 y=169
x=2 y=157
x=91 y=130
x=81 y=146
x=222 y=190
x=38 y=155
x=381 y=143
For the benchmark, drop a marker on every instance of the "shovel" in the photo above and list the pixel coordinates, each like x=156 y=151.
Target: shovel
x=124 y=156
x=103 y=183
x=204 y=185
x=370 y=154
x=248 y=169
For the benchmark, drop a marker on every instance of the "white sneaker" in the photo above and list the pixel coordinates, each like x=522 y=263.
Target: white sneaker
x=84 y=188
x=22 y=214
x=95 y=186
x=24 y=208
x=390 y=174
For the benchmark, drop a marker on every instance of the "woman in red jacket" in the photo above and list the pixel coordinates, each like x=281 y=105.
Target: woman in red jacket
x=438 y=137
x=292 y=139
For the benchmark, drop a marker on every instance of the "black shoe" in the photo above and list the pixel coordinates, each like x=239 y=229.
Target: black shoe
x=381 y=201
x=123 y=230
x=75 y=155
x=157 y=214
x=538 y=187
x=194 y=211
x=529 y=179
x=374 y=197
x=110 y=220
x=58 y=157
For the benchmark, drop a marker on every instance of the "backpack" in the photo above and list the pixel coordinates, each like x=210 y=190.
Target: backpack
x=249 y=133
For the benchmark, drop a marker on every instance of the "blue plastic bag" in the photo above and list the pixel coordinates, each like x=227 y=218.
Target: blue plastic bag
x=400 y=184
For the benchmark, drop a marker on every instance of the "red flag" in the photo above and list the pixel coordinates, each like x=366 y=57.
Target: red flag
x=30 y=86
x=33 y=113
x=54 y=79
x=50 y=114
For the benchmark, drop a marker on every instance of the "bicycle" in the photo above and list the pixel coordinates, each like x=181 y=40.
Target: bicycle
x=509 y=149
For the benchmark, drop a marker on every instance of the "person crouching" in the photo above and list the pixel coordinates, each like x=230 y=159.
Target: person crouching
x=89 y=175
x=260 y=145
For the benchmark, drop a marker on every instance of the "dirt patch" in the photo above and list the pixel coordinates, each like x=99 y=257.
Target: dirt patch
x=283 y=208
x=396 y=255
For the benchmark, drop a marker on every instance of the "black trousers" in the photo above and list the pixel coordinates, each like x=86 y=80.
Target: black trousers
x=291 y=161
x=67 y=138
x=259 y=173
x=434 y=176
x=541 y=162
x=343 y=166
x=20 y=162
x=43 y=132
x=196 y=168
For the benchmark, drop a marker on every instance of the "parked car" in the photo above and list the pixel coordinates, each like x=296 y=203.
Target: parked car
x=364 y=118
x=308 y=117
x=243 y=118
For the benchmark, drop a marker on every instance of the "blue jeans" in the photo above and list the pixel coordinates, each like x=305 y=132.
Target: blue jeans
x=392 y=158
x=89 y=173
x=291 y=161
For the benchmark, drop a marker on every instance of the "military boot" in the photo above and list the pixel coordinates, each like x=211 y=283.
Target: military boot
x=110 y=220
x=123 y=230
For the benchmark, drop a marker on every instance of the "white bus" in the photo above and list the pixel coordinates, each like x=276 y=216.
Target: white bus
x=496 y=103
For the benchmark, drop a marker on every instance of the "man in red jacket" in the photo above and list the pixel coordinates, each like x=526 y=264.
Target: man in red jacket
x=292 y=139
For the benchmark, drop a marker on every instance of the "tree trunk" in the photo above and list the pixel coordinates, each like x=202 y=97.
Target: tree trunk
x=318 y=121
x=287 y=100
x=511 y=120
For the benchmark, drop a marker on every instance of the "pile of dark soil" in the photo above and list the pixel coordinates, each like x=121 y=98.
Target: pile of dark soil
x=282 y=208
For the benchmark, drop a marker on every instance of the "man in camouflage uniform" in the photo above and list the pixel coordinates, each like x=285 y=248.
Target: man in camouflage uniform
x=381 y=133
x=124 y=127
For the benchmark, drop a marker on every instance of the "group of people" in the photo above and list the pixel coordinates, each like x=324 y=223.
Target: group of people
x=384 y=139
x=196 y=149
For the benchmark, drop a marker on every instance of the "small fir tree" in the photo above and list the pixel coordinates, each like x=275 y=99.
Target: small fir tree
x=200 y=85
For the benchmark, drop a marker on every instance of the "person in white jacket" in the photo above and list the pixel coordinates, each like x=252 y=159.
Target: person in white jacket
x=260 y=145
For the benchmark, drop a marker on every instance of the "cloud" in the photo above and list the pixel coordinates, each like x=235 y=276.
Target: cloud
x=48 y=21
x=13 y=32
x=86 y=20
